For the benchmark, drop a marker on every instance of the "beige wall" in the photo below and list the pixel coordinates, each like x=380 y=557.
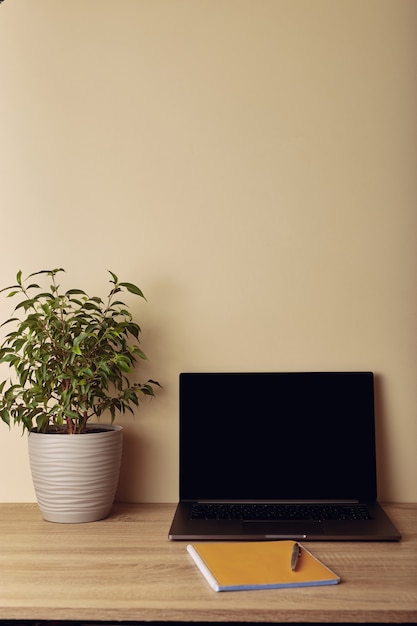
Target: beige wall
x=251 y=165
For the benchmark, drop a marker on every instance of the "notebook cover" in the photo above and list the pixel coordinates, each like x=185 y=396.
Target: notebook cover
x=235 y=566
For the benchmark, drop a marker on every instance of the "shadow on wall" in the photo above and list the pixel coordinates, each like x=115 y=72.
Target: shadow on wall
x=384 y=461
x=134 y=463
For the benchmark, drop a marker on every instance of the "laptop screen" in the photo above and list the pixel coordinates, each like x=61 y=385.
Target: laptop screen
x=277 y=436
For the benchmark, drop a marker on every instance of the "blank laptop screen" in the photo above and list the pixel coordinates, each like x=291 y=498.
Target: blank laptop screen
x=277 y=436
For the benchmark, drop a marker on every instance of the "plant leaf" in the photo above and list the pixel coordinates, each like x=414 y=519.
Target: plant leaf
x=133 y=289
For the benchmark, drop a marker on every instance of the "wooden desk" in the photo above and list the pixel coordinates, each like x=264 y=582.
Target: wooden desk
x=125 y=569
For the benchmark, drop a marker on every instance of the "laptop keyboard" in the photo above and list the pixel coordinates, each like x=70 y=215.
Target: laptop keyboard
x=279 y=512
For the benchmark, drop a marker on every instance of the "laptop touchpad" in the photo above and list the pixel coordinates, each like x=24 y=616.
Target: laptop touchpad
x=279 y=530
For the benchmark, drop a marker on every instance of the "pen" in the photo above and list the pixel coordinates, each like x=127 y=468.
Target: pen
x=296 y=552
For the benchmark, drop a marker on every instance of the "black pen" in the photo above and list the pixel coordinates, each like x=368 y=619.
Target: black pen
x=296 y=552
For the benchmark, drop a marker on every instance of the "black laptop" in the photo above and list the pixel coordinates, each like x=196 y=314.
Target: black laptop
x=273 y=455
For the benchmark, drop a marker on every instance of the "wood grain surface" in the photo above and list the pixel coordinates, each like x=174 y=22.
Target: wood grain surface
x=124 y=568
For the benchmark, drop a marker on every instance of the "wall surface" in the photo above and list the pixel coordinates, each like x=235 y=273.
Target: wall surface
x=251 y=165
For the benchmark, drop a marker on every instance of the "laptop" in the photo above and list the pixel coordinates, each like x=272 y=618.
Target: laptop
x=278 y=455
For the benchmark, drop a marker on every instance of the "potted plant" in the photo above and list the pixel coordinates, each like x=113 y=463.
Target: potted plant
x=72 y=356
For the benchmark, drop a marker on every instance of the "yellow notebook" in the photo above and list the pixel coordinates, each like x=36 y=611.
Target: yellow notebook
x=235 y=566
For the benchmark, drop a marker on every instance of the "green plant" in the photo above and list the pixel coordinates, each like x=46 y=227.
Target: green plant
x=71 y=355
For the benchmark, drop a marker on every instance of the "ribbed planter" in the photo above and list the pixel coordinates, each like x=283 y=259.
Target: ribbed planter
x=75 y=476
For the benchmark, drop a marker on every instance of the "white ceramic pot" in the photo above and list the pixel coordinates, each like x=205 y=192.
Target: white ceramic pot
x=75 y=476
